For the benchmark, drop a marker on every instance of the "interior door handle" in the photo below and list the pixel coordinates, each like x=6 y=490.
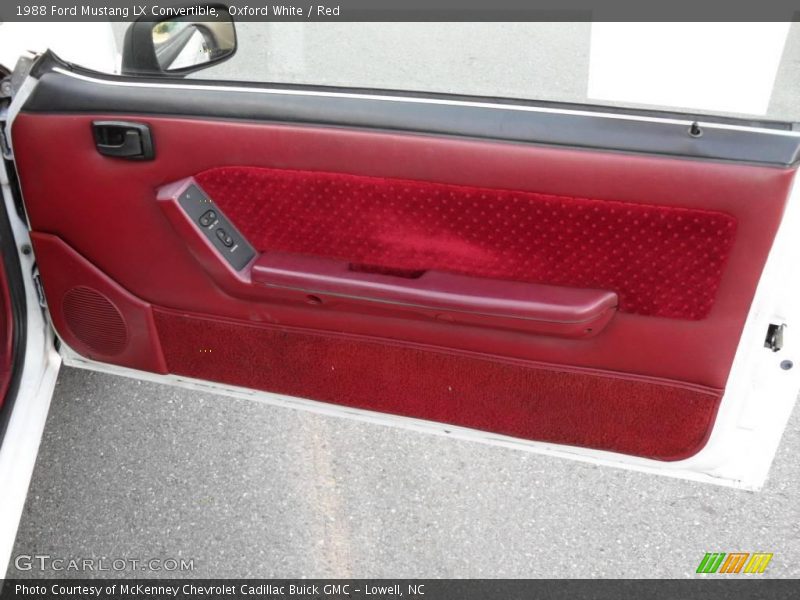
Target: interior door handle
x=123 y=139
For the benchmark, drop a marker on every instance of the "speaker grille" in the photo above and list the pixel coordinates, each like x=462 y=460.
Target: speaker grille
x=95 y=321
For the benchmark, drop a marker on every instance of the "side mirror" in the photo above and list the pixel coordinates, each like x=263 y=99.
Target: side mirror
x=179 y=45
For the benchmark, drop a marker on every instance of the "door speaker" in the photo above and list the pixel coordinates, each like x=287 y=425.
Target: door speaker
x=95 y=321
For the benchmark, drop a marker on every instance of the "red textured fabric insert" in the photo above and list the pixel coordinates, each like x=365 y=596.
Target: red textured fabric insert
x=662 y=261
x=635 y=417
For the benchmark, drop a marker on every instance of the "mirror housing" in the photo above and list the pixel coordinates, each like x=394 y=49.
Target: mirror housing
x=177 y=46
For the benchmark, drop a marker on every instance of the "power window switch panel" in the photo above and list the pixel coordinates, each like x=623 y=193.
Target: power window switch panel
x=207 y=221
x=208 y=218
x=223 y=237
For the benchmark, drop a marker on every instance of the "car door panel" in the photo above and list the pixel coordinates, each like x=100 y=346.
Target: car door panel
x=680 y=240
x=137 y=228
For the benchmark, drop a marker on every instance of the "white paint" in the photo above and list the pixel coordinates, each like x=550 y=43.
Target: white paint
x=20 y=445
x=760 y=396
x=91 y=45
x=720 y=67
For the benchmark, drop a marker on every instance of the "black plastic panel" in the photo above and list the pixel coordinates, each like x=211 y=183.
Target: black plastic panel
x=207 y=217
x=69 y=89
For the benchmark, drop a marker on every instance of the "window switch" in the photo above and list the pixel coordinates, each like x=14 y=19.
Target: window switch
x=208 y=218
x=223 y=237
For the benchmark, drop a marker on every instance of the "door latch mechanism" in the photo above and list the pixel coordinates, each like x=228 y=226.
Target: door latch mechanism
x=774 y=339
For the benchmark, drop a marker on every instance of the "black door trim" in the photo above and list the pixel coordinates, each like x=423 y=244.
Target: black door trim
x=64 y=88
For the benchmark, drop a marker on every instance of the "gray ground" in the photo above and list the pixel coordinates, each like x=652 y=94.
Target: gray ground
x=138 y=470
x=132 y=469
x=546 y=61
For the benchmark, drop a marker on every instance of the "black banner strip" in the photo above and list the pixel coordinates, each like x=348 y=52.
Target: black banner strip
x=411 y=10
x=744 y=587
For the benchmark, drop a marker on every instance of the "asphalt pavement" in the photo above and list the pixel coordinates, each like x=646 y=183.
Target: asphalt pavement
x=135 y=470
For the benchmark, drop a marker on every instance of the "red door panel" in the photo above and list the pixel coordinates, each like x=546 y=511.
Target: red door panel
x=681 y=242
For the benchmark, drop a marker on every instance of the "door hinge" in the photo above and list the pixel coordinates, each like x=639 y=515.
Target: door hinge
x=5 y=147
x=37 y=283
x=774 y=340
x=9 y=86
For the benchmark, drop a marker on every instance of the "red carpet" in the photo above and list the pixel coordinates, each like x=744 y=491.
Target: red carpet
x=636 y=417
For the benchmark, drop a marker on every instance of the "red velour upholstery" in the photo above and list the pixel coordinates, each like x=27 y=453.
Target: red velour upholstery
x=661 y=260
x=639 y=417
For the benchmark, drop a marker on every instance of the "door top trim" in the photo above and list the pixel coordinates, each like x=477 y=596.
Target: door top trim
x=422 y=100
x=64 y=88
